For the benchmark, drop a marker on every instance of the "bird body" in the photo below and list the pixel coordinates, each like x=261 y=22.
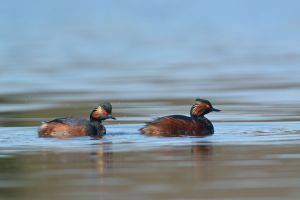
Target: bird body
x=180 y=125
x=74 y=127
x=175 y=125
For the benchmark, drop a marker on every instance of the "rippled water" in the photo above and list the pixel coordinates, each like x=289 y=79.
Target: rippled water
x=241 y=161
x=150 y=59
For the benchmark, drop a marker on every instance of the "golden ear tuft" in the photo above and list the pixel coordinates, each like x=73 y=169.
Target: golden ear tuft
x=97 y=112
x=197 y=110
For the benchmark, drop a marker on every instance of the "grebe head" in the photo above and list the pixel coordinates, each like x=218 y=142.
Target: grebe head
x=202 y=107
x=102 y=112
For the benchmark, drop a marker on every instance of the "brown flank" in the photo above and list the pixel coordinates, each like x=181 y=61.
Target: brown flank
x=168 y=126
x=60 y=130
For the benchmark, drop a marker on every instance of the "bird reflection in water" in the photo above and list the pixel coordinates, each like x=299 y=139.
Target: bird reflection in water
x=202 y=151
x=102 y=157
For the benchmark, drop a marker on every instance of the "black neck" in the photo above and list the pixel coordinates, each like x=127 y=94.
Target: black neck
x=95 y=120
x=196 y=117
x=96 y=125
x=201 y=118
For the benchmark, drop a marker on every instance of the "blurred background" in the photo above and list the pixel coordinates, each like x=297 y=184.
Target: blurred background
x=149 y=58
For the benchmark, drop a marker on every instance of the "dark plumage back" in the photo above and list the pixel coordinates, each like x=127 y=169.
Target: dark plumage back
x=70 y=121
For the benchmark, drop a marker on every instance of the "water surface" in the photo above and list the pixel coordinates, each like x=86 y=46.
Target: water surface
x=149 y=59
x=241 y=161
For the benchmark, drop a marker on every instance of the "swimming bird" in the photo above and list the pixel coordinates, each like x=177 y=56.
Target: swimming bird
x=73 y=127
x=179 y=125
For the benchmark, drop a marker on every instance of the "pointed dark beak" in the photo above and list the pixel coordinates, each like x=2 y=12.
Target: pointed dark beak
x=216 y=110
x=111 y=117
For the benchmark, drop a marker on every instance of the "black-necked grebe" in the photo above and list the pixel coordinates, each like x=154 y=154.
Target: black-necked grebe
x=180 y=125
x=74 y=127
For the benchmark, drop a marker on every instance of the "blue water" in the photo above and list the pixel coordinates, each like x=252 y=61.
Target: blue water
x=241 y=161
x=150 y=59
x=128 y=138
x=201 y=48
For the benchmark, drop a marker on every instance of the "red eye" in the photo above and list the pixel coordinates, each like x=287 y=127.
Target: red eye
x=207 y=106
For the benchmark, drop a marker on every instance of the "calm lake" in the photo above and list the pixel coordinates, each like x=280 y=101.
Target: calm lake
x=150 y=59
